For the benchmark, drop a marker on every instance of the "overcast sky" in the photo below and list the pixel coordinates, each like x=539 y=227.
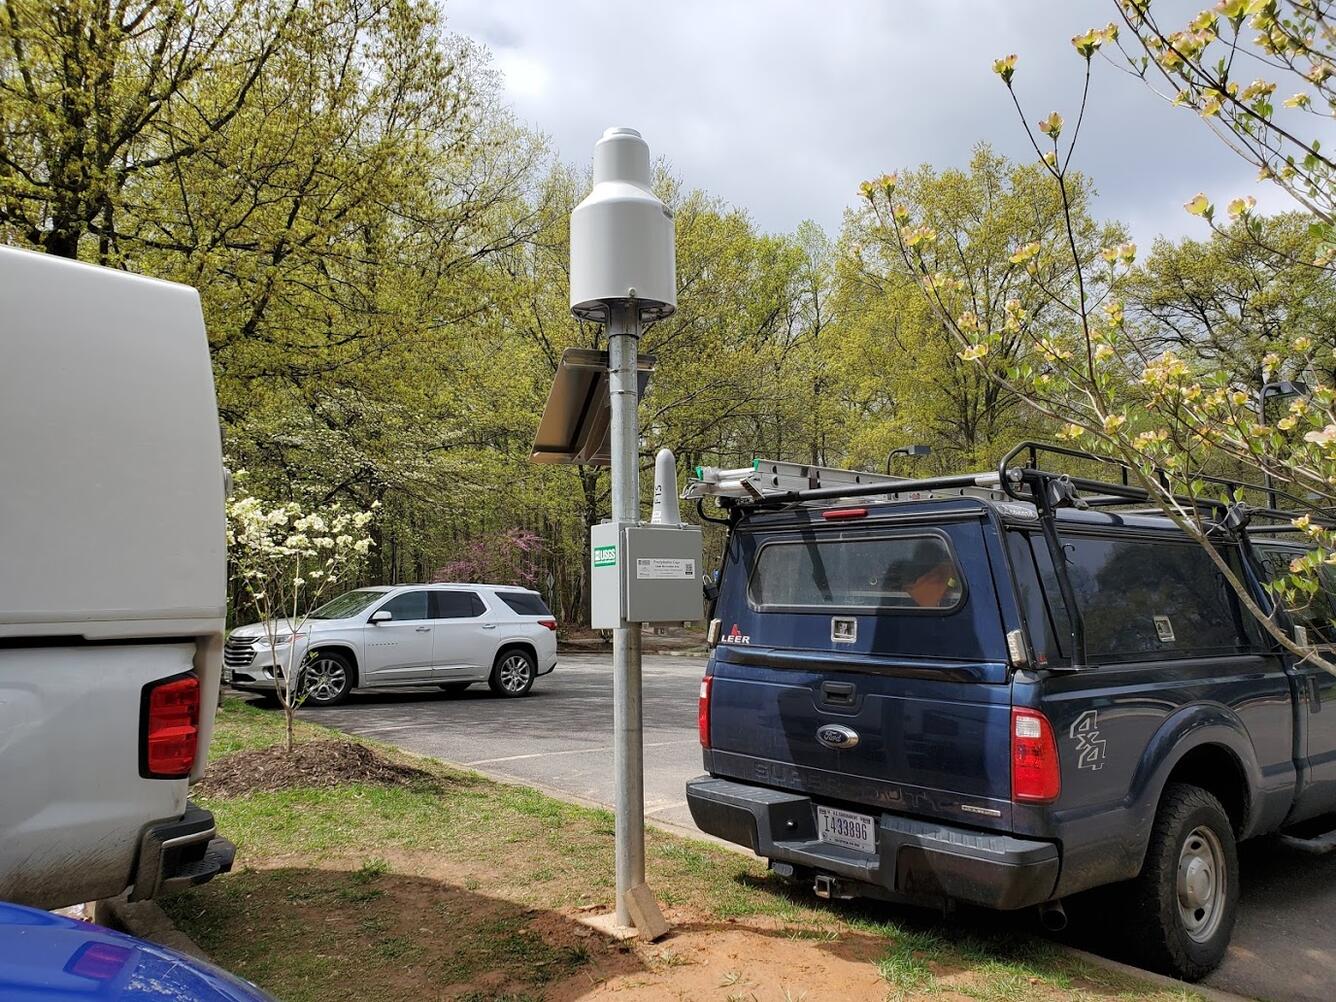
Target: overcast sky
x=782 y=107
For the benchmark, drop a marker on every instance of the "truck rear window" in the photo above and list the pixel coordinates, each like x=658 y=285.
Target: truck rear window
x=867 y=572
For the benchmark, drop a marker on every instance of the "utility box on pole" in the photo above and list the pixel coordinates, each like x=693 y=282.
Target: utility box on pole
x=645 y=574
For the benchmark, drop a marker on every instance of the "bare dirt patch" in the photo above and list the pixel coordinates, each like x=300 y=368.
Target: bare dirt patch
x=704 y=957
x=412 y=925
x=321 y=764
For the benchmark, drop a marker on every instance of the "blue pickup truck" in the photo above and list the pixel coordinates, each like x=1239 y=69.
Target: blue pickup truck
x=1008 y=688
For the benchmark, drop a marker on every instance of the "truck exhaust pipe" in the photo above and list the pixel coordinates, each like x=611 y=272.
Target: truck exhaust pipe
x=1052 y=916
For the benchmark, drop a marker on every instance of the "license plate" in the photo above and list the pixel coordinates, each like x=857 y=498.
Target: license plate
x=853 y=831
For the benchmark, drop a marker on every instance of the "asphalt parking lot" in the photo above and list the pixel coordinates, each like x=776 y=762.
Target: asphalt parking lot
x=560 y=737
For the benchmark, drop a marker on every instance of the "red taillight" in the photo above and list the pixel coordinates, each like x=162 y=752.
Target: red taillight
x=551 y=624
x=99 y=961
x=1035 y=774
x=836 y=513
x=169 y=728
x=703 y=711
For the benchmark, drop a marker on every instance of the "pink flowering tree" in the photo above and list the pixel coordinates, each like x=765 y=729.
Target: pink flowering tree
x=510 y=557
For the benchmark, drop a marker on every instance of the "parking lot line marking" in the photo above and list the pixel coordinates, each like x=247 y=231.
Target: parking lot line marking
x=575 y=751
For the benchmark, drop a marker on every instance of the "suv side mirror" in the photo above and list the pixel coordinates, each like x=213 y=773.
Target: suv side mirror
x=381 y=616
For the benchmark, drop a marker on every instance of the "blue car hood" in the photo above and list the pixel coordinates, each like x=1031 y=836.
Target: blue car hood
x=51 y=958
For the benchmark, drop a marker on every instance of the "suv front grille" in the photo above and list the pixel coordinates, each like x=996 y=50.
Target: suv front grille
x=239 y=652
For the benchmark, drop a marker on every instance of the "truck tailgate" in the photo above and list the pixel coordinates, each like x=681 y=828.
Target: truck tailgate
x=929 y=743
x=72 y=803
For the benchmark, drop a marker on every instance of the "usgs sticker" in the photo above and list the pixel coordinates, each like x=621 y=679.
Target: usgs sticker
x=605 y=556
x=648 y=568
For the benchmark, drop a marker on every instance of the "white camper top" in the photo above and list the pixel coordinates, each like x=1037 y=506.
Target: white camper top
x=111 y=470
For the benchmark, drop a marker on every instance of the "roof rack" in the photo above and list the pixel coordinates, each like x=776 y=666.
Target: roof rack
x=1125 y=492
x=771 y=482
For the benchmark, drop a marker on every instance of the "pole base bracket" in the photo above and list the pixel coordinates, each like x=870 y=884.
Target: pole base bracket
x=645 y=913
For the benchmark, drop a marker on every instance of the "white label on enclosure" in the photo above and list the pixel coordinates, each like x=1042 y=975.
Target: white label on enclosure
x=664 y=567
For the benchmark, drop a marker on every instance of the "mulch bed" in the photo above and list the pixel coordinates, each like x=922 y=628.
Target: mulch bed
x=327 y=763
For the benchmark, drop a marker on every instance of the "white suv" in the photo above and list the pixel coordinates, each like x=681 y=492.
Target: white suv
x=448 y=635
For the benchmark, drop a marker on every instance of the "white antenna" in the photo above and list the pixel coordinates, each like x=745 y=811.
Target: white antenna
x=665 y=510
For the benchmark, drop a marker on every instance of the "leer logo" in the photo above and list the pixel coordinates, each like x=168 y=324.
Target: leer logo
x=736 y=636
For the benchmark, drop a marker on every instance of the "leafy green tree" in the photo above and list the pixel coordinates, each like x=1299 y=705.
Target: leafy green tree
x=1225 y=303
x=992 y=246
x=93 y=102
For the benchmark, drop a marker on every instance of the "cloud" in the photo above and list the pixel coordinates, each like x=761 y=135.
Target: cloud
x=783 y=107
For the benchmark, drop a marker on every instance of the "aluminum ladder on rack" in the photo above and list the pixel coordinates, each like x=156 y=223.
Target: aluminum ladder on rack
x=773 y=476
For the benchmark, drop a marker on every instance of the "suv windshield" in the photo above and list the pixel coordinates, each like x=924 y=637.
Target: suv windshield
x=350 y=603
x=878 y=572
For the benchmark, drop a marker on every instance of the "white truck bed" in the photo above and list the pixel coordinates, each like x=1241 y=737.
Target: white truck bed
x=112 y=565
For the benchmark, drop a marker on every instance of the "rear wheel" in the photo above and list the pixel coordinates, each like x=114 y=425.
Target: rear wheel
x=513 y=673
x=1183 y=904
x=328 y=678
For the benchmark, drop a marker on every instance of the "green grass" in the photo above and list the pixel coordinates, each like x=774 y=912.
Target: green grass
x=386 y=893
x=239 y=726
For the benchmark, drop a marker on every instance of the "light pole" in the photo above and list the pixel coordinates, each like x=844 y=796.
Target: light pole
x=1277 y=392
x=907 y=450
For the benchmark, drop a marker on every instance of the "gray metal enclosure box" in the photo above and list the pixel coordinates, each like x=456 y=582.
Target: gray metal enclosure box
x=645 y=574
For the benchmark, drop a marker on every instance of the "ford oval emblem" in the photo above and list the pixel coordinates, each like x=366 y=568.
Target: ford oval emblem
x=837 y=736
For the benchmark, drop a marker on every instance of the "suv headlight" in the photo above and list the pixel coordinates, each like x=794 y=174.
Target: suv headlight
x=281 y=639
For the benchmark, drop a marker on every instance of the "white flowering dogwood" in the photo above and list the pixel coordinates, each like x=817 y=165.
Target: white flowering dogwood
x=288 y=559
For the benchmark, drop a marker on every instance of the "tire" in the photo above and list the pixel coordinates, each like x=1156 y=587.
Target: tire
x=455 y=688
x=328 y=678
x=1182 y=906
x=513 y=673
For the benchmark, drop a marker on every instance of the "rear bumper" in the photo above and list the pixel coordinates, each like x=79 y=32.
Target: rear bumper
x=180 y=853
x=915 y=860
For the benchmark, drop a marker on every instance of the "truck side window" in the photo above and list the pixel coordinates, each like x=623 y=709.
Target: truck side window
x=1151 y=598
x=1318 y=614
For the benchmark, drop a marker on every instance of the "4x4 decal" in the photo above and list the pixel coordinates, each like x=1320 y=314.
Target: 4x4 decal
x=1089 y=745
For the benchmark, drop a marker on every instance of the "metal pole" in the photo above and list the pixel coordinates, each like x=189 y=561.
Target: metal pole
x=628 y=751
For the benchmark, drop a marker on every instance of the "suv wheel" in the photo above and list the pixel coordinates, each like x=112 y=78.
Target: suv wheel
x=513 y=673
x=328 y=678
x=1183 y=904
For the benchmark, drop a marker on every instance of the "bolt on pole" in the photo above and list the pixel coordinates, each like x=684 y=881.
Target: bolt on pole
x=627 y=723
